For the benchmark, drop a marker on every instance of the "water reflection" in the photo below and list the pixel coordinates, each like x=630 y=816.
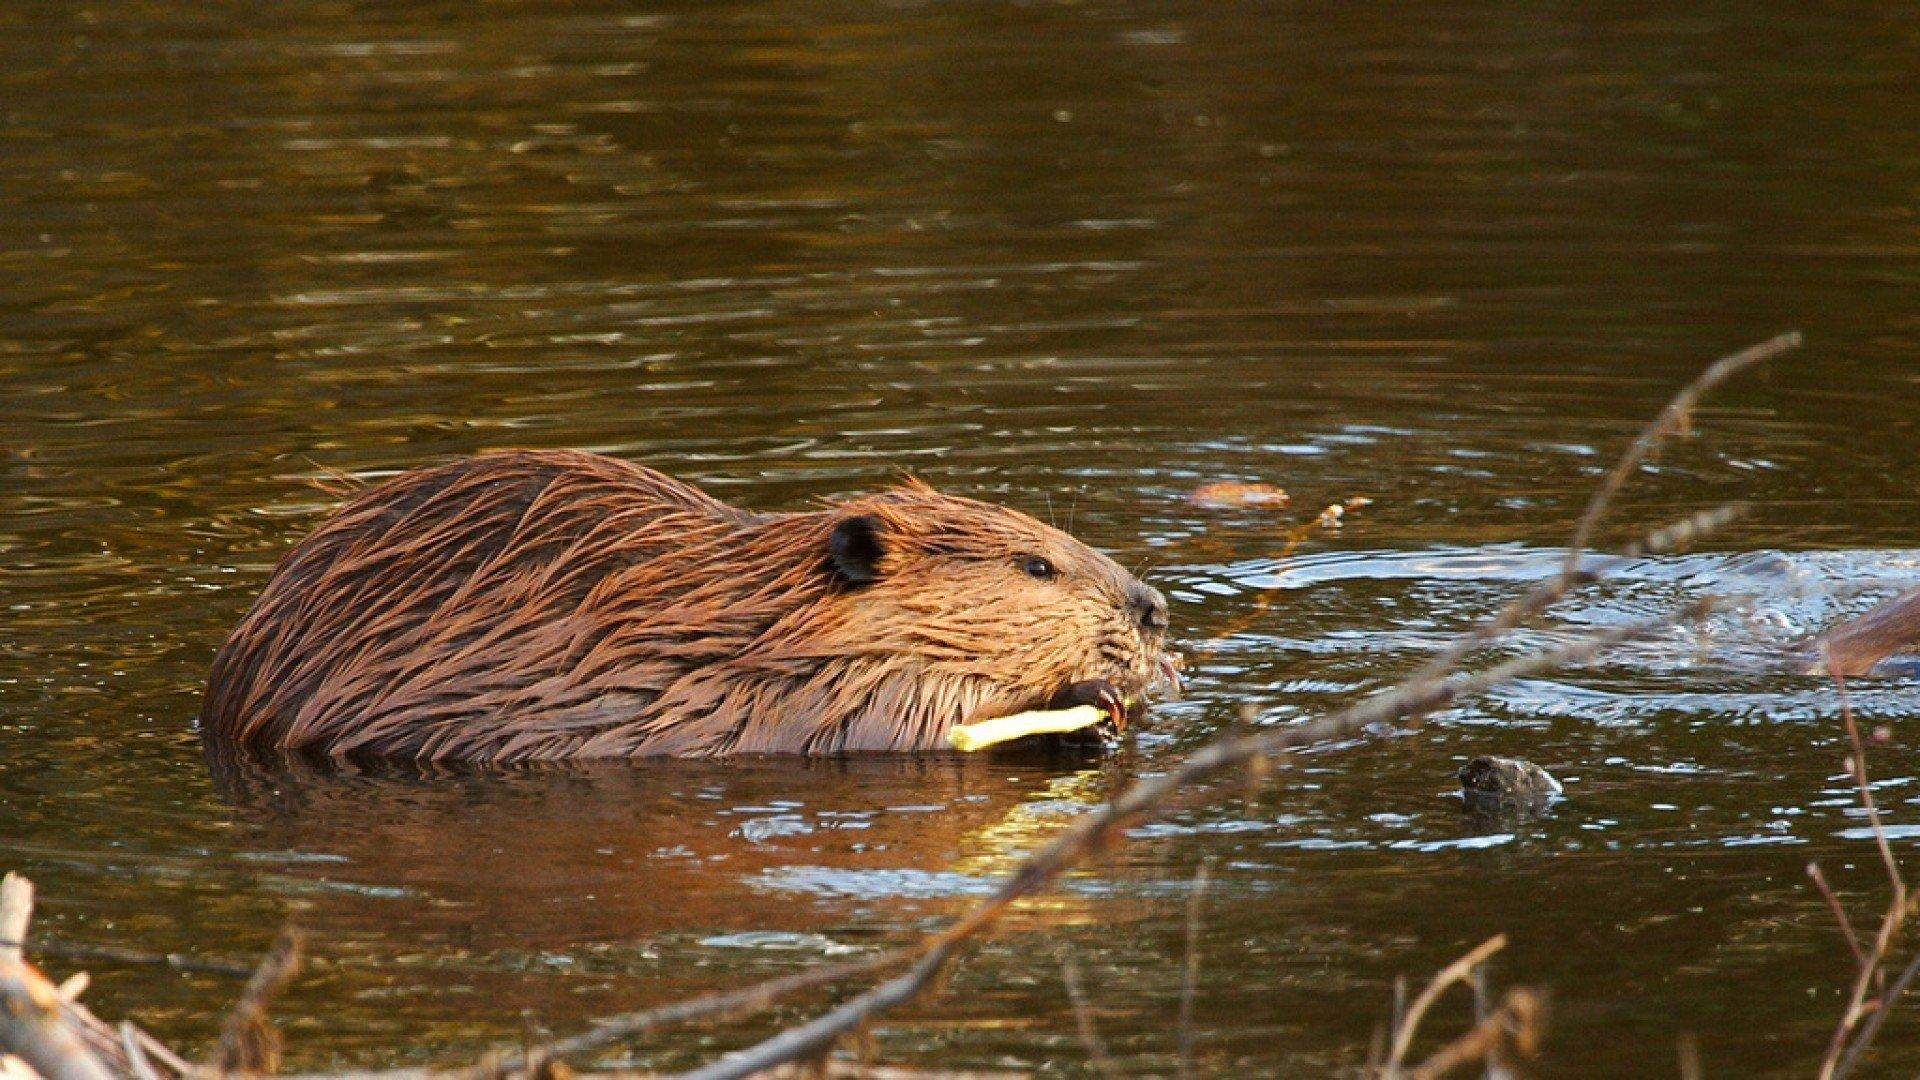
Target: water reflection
x=546 y=857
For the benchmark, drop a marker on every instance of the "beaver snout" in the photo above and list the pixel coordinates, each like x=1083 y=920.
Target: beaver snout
x=1148 y=608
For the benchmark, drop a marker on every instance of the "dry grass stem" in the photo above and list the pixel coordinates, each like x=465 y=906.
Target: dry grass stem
x=1839 y=913
x=1083 y=1021
x=1681 y=534
x=136 y=1055
x=16 y=911
x=1514 y=1029
x=1689 y=1052
x=1865 y=1012
x=248 y=1042
x=1190 y=973
x=1673 y=421
x=610 y=1030
x=33 y=1014
x=1458 y=971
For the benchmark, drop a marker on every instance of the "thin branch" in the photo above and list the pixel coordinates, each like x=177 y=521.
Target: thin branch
x=1672 y=421
x=1859 y=770
x=816 y=1035
x=248 y=1043
x=1872 y=1027
x=1458 y=971
x=611 y=1030
x=1083 y=1019
x=16 y=911
x=1190 y=975
x=72 y=950
x=157 y=1050
x=1515 y=1026
x=1863 y=1017
x=33 y=1026
x=1839 y=914
x=136 y=1056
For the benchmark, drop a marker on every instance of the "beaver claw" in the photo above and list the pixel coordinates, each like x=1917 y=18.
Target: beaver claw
x=1097 y=692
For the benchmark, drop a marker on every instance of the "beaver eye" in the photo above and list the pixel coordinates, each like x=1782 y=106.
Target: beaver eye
x=1035 y=566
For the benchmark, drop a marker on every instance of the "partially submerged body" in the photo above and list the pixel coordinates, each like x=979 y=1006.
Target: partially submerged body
x=538 y=605
x=1882 y=641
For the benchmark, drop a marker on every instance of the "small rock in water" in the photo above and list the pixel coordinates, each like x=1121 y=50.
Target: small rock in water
x=1501 y=784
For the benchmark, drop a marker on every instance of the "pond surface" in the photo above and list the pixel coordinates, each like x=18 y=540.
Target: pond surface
x=1077 y=258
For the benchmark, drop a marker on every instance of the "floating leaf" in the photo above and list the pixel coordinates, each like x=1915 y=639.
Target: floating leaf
x=1239 y=493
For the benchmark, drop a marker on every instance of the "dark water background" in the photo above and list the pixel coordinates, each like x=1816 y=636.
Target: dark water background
x=1073 y=257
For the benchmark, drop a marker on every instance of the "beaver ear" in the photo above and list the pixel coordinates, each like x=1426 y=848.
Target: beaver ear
x=856 y=548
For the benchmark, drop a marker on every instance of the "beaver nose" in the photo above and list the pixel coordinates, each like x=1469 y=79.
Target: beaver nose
x=1148 y=607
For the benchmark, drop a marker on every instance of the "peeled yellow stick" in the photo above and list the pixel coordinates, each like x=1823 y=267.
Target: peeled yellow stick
x=967 y=738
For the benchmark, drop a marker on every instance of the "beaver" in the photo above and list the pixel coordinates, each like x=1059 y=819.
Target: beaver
x=542 y=605
x=1880 y=641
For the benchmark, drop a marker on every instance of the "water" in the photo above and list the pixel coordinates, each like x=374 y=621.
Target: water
x=1078 y=258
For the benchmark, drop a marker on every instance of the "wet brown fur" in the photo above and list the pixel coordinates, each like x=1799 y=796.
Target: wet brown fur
x=556 y=604
x=1855 y=646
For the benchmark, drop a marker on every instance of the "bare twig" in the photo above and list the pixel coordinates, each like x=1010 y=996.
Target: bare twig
x=1839 y=913
x=1872 y=1026
x=1083 y=1022
x=1458 y=971
x=136 y=1055
x=1671 y=421
x=1858 y=767
x=611 y=1030
x=1190 y=975
x=1513 y=1028
x=1861 y=1021
x=248 y=1043
x=816 y=1035
x=33 y=1026
x=1689 y=1053
x=16 y=911
x=73 y=950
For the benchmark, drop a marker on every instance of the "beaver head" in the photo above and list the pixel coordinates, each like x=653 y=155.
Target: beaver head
x=557 y=604
x=906 y=613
